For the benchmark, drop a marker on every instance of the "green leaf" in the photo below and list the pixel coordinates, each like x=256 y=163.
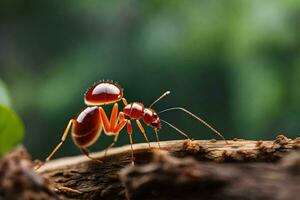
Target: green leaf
x=4 y=95
x=11 y=129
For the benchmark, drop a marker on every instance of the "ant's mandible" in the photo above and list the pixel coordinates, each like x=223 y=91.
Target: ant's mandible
x=86 y=128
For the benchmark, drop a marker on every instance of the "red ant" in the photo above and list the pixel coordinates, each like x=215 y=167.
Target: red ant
x=86 y=128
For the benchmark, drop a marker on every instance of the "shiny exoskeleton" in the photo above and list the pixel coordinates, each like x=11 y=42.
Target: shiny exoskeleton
x=88 y=125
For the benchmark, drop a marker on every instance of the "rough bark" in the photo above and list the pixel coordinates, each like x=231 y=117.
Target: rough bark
x=172 y=178
x=100 y=181
x=18 y=181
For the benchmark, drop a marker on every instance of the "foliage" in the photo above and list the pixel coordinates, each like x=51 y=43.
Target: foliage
x=11 y=126
x=4 y=96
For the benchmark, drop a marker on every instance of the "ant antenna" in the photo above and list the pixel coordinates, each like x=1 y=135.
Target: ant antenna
x=197 y=118
x=159 y=98
x=177 y=129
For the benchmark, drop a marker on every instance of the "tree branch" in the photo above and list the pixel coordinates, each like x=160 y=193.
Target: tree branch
x=172 y=178
x=96 y=180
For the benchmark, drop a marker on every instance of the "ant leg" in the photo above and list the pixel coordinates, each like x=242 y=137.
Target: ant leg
x=157 y=138
x=63 y=138
x=143 y=131
x=86 y=152
x=124 y=101
x=105 y=121
x=116 y=130
x=122 y=123
x=129 y=130
x=121 y=116
x=111 y=145
x=111 y=125
x=132 y=159
x=114 y=117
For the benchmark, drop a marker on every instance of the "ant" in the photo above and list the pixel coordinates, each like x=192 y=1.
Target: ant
x=86 y=128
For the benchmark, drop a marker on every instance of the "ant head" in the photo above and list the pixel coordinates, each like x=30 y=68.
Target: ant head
x=151 y=118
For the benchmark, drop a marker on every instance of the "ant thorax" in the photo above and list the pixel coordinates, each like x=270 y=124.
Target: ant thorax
x=134 y=110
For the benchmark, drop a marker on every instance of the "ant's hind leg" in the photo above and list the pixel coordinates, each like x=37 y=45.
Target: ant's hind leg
x=63 y=138
x=86 y=152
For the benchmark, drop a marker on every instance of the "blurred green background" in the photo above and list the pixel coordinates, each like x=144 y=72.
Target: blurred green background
x=234 y=63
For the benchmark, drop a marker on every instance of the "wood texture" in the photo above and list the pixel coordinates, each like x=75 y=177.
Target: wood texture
x=172 y=178
x=101 y=181
x=18 y=180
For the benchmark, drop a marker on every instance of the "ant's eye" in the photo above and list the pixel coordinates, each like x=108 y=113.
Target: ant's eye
x=154 y=124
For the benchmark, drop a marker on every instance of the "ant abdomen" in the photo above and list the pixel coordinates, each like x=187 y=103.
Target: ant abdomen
x=87 y=127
